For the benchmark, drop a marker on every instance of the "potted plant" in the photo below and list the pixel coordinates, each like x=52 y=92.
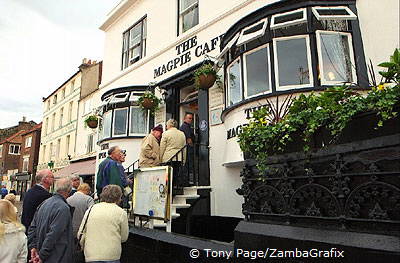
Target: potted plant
x=206 y=76
x=149 y=101
x=92 y=121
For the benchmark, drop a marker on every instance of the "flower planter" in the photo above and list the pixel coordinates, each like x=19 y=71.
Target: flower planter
x=92 y=124
x=206 y=81
x=147 y=103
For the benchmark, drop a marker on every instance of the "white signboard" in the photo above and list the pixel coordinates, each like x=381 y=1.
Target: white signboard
x=152 y=192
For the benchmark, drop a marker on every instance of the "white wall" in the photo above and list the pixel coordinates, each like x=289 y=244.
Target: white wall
x=380 y=29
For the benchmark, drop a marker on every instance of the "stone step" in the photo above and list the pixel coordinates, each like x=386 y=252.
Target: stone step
x=177 y=206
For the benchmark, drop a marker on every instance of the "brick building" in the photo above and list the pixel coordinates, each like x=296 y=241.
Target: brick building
x=22 y=125
x=10 y=154
x=29 y=157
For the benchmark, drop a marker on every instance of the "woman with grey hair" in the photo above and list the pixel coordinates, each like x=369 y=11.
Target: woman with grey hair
x=105 y=227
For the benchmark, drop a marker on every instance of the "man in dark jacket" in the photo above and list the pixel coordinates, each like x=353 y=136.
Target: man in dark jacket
x=109 y=172
x=36 y=195
x=187 y=129
x=50 y=237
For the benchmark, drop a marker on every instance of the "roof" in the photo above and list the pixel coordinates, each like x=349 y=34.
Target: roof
x=62 y=85
x=15 y=138
x=35 y=128
x=78 y=168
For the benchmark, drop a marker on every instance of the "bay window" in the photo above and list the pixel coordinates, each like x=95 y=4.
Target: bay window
x=134 y=43
x=335 y=57
x=188 y=14
x=138 y=122
x=120 y=122
x=106 y=125
x=235 y=93
x=257 y=72
x=292 y=62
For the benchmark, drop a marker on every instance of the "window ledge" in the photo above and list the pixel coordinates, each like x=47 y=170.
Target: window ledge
x=118 y=138
x=273 y=94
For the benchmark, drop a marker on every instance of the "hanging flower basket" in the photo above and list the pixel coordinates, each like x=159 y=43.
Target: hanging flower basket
x=92 y=121
x=206 y=76
x=206 y=81
x=149 y=101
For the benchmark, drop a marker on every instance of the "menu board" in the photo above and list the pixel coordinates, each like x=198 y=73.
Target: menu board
x=152 y=192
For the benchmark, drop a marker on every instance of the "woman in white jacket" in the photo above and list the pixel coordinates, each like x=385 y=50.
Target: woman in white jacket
x=12 y=235
x=106 y=227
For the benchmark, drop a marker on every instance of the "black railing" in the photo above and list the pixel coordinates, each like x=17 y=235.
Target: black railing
x=131 y=169
x=185 y=166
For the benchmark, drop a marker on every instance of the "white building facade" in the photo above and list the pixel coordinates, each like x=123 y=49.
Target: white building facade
x=271 y=47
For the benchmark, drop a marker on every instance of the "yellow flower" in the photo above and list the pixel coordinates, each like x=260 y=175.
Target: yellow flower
x=380 y=87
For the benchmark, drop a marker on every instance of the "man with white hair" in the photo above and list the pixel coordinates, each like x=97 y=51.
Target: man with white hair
x=76 y=181
x=50 y=237
x=36 y=195
x=172 y=141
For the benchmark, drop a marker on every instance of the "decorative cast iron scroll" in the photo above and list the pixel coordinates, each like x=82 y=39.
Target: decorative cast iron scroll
x=355 y=189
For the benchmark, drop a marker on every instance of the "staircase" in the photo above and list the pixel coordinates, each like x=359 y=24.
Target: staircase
x=180 y=202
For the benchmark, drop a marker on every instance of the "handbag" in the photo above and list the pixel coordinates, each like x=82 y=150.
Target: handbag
x=79 y=256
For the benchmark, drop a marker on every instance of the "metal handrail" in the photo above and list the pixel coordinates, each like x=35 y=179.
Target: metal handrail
x=176 y=155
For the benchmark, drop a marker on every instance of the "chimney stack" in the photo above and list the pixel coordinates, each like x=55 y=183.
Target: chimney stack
x=23 y=119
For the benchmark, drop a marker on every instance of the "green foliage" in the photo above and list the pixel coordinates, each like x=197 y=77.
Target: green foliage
x=331 y=109
x=206 y=69
x=149 y=95
x=90 y=118
x=393 y=68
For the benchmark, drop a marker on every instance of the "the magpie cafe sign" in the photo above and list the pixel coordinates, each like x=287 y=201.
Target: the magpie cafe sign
x=235 y=131
x=185 y=51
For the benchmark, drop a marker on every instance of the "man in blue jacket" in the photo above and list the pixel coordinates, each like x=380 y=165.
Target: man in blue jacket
x=50 y=237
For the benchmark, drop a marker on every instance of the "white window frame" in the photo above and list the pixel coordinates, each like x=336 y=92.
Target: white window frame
x=28 y=142
x=90 y=140
x=245 y=71
x=135 y=94
x=289 y=23
x=320 y=62
x=23 y=163
x=103 y=121
x=87 y=109
x=243 y=39
x=184 y=12
x=126 y=122
x=114 y=98
x=126 y=46
x=310 y=71
x=1 y=150
x=350 y=16
x=13 y=149
x=228 y=46
x=147 y=126
x=228 y=92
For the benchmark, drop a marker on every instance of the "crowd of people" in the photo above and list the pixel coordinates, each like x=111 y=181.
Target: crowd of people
x=63 y=227
x=68 y=226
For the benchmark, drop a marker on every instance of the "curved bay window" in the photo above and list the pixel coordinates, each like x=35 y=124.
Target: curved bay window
x=122 y=116
x=278 y=49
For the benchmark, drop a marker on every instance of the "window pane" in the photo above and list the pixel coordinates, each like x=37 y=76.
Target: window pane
x=138 y=124
x=120 y=119
x=135 y=35
x=186 y=3
x=190 y=19
x=292 y=62
x=106 y=125
x=235 y=87
x=257 y=72
x=125 y=43
x=336 y=60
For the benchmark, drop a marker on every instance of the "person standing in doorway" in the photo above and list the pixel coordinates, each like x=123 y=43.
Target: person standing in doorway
x=3 y=191
x=187 y=129
x=36 y=195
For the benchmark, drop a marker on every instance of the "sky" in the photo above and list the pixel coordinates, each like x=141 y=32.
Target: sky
x=42 y=43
